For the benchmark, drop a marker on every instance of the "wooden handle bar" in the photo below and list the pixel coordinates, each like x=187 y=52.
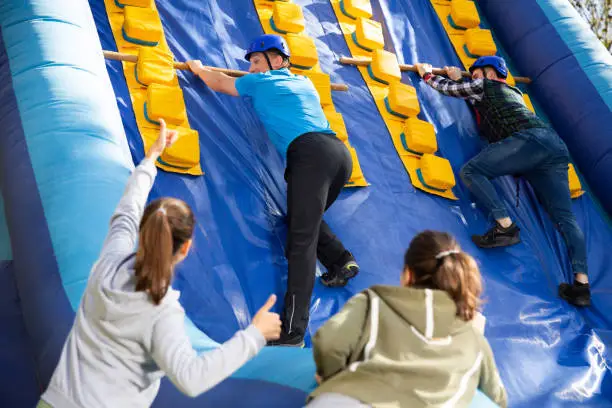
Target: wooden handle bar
x=364 y=62
x=111 y=55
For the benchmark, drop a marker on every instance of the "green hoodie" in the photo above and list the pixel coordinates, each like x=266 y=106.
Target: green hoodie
x=394 y=346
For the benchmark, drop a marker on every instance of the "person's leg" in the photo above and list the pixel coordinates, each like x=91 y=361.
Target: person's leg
x=339 y=262
x=552 y=188
x=516 y=154
x=305 y=203
x=330 y=249
x=308 y=180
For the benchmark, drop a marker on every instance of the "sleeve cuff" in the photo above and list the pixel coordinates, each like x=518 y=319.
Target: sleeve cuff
x=238 y=84
x=253 y=333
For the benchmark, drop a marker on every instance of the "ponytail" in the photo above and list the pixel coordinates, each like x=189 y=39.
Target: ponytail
x=458 y=276
x=154 y=257
x=436 y=262
x=166 y=224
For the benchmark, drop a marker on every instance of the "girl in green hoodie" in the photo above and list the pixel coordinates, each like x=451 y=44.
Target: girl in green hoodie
x=415 y=345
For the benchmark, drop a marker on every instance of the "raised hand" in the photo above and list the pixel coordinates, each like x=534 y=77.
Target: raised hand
x=166 y=138
x=268 y=323
x=453 y=73
x=423 y=68
x=195 y=66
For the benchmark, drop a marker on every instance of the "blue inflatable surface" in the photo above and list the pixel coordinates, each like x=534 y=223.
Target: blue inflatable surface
x=70 y=140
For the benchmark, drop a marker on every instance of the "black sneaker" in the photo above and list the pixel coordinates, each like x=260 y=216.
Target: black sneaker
x=288 y=340
x=576 y=294
x=498 y=236
x=339 y=276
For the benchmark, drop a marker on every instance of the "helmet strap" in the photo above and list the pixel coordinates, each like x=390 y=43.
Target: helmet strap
x=265 y=53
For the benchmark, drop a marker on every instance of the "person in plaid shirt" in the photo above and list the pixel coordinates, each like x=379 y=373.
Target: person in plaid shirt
x=520 y=144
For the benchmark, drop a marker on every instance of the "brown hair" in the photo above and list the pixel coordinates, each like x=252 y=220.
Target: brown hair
x=436 y=261
x=274 y=52
x=167 y=223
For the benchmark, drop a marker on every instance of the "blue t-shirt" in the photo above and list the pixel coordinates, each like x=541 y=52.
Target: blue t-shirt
x=288 y=105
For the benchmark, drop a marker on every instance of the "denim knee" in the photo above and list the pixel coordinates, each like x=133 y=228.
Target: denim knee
x=466 y=174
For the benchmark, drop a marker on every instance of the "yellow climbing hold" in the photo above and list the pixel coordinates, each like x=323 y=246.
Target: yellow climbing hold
x=463 y=14
x=303 y=51
x=436 y=173
x=368 y=34
x=384 y=67
x=165 y=102
x=185 y=153
x=287 y=18
x=356 y=8
x=479 y=42
x=142 y=26
x=154 y=67
x=419 y=137
x=402 y=100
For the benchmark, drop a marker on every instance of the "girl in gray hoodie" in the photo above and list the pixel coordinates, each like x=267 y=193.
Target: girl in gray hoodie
x=129 y=328
x=413 y=345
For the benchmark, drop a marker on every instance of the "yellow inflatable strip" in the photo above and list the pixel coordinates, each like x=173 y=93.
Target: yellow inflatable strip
x=163 y=97
x=384 y=70
x=286 y=19
x=458 y=36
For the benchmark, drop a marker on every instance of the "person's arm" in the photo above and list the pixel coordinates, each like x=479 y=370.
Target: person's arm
x=472 y=90
x=124 y=224
x=217 y=81
x=490 y=382
x=337 y=339
x=192 y=374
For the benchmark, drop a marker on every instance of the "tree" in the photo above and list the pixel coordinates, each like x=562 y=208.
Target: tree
x=598 y=14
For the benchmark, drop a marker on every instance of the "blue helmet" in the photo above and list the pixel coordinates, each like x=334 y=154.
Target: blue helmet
x=268 y=42
x=493 y=61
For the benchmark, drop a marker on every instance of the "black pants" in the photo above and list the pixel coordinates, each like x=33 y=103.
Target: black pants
x=318 y=166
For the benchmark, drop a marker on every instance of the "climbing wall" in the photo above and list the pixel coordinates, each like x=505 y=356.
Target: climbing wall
x=72 y=137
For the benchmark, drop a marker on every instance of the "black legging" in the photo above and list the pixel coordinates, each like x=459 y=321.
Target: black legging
x=318 y=166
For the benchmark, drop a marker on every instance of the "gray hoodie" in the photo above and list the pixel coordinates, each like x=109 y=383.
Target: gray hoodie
x=121 y=344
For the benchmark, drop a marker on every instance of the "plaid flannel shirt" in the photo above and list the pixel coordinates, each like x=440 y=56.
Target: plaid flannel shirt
x=471 y=90
x=500 y=108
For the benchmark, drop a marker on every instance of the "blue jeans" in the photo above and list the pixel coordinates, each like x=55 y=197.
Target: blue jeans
x=541 y=157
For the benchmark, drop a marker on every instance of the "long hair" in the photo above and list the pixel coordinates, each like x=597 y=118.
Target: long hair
x=167 y=223
x=436 y=261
